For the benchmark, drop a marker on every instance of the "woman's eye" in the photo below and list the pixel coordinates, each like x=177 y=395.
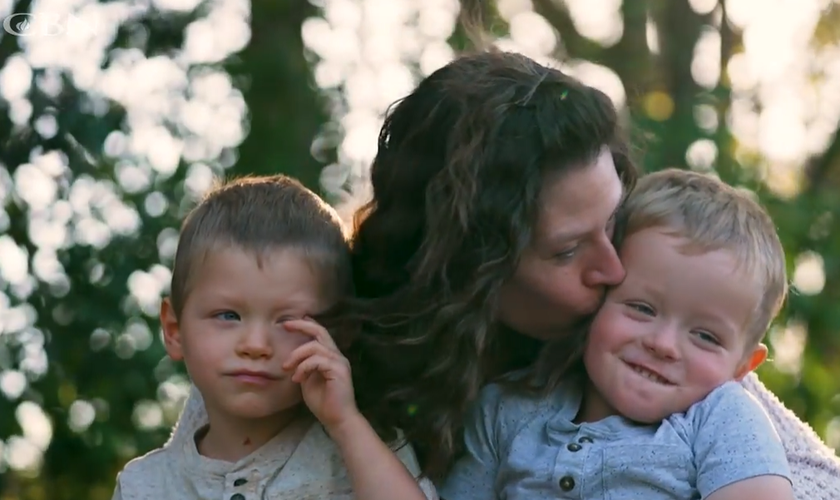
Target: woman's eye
x=566 y=254
x=610 y=229
x=227 y=316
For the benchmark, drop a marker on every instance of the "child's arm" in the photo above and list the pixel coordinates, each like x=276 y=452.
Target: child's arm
x=324 y=375
x=763 y=487
x=737 y=449
x=474 y=474
x=375 y=470
x=117 y=494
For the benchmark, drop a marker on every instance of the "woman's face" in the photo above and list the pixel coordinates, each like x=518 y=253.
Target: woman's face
x=563 y=274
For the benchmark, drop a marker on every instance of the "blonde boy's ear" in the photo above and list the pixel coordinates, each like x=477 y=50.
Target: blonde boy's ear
x=753 y=361
x=171 y=331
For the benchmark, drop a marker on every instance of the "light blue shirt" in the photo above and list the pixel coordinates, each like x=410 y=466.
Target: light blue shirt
x=524 y=447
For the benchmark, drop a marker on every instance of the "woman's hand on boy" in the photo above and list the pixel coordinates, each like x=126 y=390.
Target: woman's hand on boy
x=323 y=373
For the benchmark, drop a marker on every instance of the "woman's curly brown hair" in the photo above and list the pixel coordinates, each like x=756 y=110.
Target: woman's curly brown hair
x=456 y=182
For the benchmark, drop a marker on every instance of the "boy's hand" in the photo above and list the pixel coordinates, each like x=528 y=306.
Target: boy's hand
x=323 y=373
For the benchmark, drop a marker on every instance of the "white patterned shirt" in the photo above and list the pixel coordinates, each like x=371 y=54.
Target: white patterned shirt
x=300 y=463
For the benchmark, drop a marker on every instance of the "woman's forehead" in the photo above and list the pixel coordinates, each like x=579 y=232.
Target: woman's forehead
x=580 y=201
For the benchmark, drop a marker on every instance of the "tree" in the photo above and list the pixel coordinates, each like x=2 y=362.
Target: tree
x=108 y=134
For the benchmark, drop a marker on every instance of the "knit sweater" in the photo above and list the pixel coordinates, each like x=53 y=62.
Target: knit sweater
x=815 y=469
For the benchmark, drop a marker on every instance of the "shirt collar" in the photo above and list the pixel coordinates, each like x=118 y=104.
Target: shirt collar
x=263 y=462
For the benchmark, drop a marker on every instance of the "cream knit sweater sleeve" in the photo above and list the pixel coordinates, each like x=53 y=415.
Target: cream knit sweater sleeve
x=814 y=466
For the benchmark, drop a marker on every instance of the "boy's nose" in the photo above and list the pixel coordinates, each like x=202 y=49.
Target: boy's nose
x=255 y=343
x=663 y=343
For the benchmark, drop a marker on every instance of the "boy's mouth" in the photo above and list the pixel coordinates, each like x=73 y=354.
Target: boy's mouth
x=649 y=374
x=253 y=376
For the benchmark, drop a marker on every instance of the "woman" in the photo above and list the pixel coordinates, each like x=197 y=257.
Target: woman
x=490 y=230
x=495 y=188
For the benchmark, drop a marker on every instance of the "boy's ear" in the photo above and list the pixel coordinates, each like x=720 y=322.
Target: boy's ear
x=753 y=360
x=171 y=330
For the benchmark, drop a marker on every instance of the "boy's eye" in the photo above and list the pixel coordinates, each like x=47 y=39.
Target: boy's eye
x=227 y=316
x=707 y=337
x=642 y=308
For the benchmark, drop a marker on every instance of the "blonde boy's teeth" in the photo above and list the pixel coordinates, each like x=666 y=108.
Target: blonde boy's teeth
x=649 y=375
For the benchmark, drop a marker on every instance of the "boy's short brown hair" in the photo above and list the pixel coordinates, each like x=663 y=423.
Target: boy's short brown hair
x=712 y=215
x=261 y=214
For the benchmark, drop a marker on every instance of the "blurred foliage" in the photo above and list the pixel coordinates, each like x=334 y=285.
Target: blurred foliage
x=101 y=343
x=100 y=339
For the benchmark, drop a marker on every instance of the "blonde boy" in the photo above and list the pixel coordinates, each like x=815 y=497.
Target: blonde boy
x=256 y=260
x=656 y=414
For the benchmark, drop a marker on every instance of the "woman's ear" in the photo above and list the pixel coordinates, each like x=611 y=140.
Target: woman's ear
x=171 y=330
x=752 y=361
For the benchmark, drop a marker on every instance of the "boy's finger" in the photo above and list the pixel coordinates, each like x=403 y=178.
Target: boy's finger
x=313 y=329
x=309 y=349
x=329 y=368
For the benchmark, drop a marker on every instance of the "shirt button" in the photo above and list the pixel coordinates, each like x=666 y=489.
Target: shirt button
x=574 y=447
x=238 y=496
x=240 y=482
x=585 y=439
x=567 y=483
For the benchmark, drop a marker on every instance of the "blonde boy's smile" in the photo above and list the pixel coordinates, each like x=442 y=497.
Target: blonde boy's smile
x=648 y=374
x=672 y=332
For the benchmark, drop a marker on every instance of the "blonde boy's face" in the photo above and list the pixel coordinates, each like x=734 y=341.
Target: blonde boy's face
x=673 y=331
x=231 y=335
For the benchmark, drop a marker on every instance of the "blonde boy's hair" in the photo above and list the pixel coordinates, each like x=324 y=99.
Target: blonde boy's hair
x=259 y=215
x=712 y=215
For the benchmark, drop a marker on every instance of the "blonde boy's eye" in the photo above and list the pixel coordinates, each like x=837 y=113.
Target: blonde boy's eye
x=642 y=308
x=707 y=337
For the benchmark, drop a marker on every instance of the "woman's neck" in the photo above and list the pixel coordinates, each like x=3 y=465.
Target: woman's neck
x=511 y=351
